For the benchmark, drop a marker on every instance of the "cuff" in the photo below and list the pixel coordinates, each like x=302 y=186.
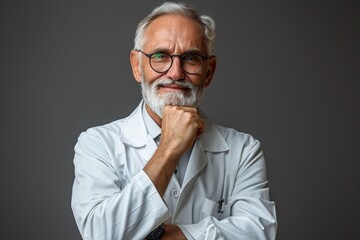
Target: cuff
x=154 y=199
x=186 y=232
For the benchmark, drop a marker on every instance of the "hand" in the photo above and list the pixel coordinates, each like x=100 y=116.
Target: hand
x=173 y=232
x=180 y=127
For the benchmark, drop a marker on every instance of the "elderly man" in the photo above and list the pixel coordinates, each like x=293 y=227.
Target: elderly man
x=166 y=171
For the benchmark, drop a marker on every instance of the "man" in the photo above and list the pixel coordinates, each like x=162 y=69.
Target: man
x=166 y=171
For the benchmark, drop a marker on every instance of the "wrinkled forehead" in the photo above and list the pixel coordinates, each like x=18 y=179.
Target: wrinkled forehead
x=169 y=31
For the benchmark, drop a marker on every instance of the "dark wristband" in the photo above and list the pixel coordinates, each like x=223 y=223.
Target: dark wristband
x=156 y=234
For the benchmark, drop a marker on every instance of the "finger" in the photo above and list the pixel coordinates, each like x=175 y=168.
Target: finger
x=188 y=109
x=172 y=109
x=200 y=131
x=200 y=126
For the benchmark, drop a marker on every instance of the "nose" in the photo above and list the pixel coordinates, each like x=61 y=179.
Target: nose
x=176 y=72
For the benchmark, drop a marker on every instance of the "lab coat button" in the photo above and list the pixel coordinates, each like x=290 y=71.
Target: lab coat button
x=175 y=193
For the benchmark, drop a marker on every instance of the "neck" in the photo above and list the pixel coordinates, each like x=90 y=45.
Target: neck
x=153 y=115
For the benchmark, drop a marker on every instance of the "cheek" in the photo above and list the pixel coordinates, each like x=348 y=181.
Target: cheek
x=197 y=80
x=150 y=75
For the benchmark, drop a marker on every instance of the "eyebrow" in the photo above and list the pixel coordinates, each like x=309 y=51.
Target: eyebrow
x=165 y=50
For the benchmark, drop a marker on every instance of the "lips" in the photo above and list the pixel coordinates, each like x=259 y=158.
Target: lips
x=174 y=87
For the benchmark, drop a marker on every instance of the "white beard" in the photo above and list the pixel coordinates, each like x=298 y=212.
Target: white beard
x=157 y=101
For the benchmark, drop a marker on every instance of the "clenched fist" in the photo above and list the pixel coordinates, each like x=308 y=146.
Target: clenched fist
x=180 y=127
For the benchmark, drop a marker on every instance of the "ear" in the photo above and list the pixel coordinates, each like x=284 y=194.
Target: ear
x=210 y=71
x=135 y=65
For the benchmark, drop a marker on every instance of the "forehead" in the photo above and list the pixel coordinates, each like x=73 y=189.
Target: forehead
x=175 y=33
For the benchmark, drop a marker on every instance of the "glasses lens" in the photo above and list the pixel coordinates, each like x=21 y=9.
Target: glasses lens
x=160 y=62
x=192 y=63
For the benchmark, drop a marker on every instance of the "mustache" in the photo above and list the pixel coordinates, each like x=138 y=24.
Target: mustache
x=179 y=83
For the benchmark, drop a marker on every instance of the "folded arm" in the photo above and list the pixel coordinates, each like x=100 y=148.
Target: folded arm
x=105 y=209
x=248 y=212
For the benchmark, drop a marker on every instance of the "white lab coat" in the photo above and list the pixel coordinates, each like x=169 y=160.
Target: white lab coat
x=224 y=194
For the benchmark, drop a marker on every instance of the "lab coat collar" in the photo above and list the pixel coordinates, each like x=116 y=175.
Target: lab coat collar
x=134 y=131
x=135 y=134
x=212 y=140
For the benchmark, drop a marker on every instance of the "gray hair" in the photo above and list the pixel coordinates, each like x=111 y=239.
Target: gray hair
x=206 y=22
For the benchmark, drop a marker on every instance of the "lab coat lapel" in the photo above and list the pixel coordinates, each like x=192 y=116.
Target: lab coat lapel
x=150 y=148
x=198 y=160
x=211 y=141
x=134 y=133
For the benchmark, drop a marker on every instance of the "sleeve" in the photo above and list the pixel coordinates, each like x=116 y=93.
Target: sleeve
x=248 y=213
x=103 y=208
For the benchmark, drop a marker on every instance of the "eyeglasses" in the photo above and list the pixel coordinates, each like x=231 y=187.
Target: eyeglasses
x=191 y=63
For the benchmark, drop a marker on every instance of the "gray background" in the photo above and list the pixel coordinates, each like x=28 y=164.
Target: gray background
x=288 y=73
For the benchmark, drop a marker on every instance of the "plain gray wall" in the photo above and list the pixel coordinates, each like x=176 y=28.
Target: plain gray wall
x=288 y=73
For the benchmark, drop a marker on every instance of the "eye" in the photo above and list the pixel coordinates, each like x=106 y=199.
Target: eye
x=192 y=58
x=160 y=56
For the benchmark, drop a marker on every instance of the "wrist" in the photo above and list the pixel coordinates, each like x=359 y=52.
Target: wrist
x=170 y=151
x=173 y=232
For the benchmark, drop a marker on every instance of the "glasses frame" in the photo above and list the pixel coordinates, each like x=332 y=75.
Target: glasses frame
x=149 y=55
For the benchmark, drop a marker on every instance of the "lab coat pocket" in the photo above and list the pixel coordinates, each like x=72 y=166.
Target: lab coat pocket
x=209 y=209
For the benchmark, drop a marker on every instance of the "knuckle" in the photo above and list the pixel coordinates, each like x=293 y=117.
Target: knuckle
x=168 y=109
x=188 y=117
x=174 y=108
